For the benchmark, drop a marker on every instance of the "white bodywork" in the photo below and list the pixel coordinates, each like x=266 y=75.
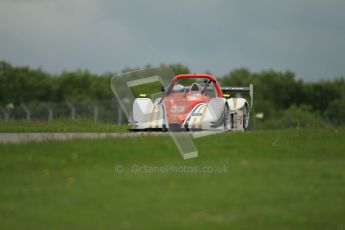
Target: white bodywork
x=204 y=116
x=147 y=115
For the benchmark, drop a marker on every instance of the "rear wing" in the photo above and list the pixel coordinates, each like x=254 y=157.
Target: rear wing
x=240 y=89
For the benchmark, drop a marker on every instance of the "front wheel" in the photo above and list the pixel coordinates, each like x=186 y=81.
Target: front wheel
x=227 y=118
x=245 y=117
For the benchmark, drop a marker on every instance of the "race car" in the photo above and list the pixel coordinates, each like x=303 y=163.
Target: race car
x=193 y=102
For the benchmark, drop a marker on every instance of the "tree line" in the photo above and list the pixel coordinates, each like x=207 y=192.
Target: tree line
x=278 y=95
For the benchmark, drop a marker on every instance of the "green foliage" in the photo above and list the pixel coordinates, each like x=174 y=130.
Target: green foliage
x=82 y=85
x=279 y=93
x=302 y=116
x=274 y=92
x=21 y=84
x=336 y=111
x=279 y=88
x=295 y=117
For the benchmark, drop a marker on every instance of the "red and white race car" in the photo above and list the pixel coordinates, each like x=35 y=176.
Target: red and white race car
x=193 y=102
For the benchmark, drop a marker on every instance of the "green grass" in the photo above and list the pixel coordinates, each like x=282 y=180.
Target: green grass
x=283 y=179
x=78 y=125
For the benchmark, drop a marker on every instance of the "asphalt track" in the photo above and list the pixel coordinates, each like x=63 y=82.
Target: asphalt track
x=38 y=137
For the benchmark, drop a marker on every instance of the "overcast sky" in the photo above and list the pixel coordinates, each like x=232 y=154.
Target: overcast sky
x=304 y=36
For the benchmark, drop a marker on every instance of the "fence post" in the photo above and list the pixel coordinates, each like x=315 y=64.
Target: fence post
x=95 y=111
x=72 y=108
x=5 y=112
x=50 y=112
x=27 y=111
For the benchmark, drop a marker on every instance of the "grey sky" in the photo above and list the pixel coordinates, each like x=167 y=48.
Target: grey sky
x=305 y=36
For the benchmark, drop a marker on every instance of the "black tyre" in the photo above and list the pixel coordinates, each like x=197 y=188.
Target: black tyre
x=245 y=117
x=227 y=118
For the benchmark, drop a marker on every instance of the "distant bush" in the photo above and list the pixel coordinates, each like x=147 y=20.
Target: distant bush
x=302 y=116
x=295 y=117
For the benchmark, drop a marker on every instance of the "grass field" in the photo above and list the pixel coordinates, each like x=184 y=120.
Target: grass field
x=282 y=179
x=64 y=125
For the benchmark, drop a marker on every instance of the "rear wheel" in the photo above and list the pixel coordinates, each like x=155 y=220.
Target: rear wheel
x=227 y=118
x=245 y=117
x=164 y=128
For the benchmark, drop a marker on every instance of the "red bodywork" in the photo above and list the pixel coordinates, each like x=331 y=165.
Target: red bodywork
x=179 y=105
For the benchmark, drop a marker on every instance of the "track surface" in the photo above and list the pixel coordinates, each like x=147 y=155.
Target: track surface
x=27 y=137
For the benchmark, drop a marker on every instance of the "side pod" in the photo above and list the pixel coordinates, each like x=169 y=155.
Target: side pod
x=142 y=108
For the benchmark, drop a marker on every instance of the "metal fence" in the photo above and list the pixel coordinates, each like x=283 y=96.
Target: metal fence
x=98 y=111
x=109 y=111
